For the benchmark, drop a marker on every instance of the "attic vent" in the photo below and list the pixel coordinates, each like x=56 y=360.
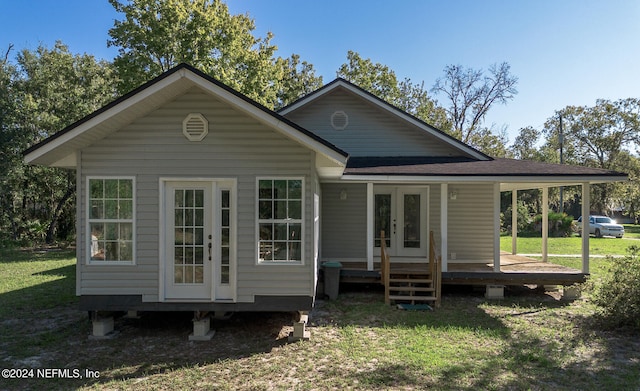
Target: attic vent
x=339 y=120
x=195 y=127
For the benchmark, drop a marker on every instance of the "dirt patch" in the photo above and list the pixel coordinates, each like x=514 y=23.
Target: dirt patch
x=156 y=345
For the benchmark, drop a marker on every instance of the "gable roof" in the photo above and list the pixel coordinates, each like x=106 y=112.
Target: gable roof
x=511 y=173
x=59 y=149
x=386 y=106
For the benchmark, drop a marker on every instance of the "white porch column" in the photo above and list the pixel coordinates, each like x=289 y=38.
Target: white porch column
x=444 y=225
x=586 y=209
x=514 y=222
x=496 y=227
x=370 y=225
x=545 y=223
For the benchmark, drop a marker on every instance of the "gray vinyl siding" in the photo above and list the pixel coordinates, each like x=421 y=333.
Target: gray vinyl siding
x=371 y=131
x=238 y=147
x=344 y=222
x=471 y=223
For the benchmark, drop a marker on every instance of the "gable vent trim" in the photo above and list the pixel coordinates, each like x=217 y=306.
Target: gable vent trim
x=339 y=120
x=195 y=127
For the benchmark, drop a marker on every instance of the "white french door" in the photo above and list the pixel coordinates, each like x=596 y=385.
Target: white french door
x=199 y=240
x=402 y=212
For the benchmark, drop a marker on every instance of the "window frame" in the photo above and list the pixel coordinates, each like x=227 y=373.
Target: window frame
x=302 y=221
x=89 y=221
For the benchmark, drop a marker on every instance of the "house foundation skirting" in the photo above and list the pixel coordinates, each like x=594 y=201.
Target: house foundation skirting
x=135 y=303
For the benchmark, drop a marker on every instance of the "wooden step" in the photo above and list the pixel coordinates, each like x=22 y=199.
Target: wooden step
x=412 y=289
x=411 y=280
x=412 y=298
x=410 y=275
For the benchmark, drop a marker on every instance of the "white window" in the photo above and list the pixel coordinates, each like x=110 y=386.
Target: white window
x=280 y=223
x=111 y=211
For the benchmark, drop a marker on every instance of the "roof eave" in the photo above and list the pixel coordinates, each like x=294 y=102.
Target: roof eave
x=43 y=152
x=530 y=181
x=342 y=83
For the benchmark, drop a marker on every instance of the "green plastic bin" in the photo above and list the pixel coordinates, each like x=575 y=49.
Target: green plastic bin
x=332 y=279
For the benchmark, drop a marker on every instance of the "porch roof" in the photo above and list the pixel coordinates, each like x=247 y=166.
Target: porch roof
x=521 y=173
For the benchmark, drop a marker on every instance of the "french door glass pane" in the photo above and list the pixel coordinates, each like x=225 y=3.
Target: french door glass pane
x=382 y=218
x=225 y=232
x=189 y=251
x=412 y=220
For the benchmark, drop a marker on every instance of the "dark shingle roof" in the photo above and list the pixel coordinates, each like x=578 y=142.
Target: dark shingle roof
x=461 y=166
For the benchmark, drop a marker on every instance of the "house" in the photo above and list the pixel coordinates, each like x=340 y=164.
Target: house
x=191 y=196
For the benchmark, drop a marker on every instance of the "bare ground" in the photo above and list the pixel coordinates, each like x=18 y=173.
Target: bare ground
x=157 y=344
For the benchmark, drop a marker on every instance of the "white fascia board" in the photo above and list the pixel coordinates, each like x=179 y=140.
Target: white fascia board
x=315 y=95
x=531 y=182
x=395 y=111
x=110 y=113
x=268 y=119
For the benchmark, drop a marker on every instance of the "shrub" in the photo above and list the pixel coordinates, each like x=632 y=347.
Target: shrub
x=523 y=217
x=617 y=293
x=560 y=224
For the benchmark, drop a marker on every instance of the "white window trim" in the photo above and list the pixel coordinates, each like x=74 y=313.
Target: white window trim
x=303 y=221
x=87 y=220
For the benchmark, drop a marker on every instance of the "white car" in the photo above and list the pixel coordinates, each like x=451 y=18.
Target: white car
x=600 y=226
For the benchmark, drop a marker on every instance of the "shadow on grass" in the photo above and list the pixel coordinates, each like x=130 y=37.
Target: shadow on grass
x=53 y=334
x=24 y=255
x=576 y=356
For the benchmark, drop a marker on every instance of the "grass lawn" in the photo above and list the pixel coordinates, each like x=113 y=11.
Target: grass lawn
x=529 y=341
x=572 y=245
x=632 y=231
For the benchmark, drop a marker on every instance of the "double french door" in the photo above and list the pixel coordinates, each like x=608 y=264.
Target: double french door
x=199 y=250
x=402 y=213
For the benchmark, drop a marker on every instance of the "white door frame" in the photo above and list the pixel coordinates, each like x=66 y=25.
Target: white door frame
x=216 y=290
x=397 y=220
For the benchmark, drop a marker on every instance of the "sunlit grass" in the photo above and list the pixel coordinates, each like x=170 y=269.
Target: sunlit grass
x=35 y=280
x=529 y=340
x=572 y=245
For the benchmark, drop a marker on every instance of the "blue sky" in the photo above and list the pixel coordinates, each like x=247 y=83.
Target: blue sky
x=564 y=52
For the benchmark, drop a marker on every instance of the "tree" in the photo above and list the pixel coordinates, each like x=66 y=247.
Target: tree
x=529 y=145
x=596 y=136
x=156 y=35
x=491 y=143
x=381 y=81
x=471 y=93
x=602 y=136
x=49 y=89
x=298 y=79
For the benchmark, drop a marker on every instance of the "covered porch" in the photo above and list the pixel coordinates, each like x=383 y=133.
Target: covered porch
x=514 y=270
x=459 y=202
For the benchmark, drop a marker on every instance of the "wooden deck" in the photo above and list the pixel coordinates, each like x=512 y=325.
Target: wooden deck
x=514 y=270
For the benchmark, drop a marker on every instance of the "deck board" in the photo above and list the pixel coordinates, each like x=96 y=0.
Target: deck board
x=514 y=270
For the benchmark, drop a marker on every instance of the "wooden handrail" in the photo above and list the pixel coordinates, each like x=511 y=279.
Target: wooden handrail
x=435 y=268
x=384 y=267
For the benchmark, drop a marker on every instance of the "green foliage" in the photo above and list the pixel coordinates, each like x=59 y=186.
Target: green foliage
x=44 y=91
x=560 y=224
x=382 y=81
x=523 y=217
x=156 y=35
x=604 y=136
x=298 y=79
x=617 y=293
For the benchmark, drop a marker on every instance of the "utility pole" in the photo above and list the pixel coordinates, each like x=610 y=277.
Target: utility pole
x=561 y=139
